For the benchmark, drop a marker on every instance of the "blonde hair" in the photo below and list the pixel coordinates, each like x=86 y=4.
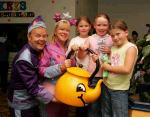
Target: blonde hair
x=54 y=36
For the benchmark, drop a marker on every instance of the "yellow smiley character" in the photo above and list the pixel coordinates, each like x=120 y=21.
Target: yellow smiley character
x=72 y=88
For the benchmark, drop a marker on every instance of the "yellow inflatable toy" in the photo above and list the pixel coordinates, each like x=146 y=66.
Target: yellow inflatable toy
x=74 y=87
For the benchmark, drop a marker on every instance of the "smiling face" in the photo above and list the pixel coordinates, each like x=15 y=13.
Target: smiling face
x=37 y=38
x=62 y=31
x=83 y=28
x=76 y=91
x=119 y=37
x=119 y=33
x=101 y=26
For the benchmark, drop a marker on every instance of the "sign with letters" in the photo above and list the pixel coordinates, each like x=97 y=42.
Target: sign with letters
x=14 y=9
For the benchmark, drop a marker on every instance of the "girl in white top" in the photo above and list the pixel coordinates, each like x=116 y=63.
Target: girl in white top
x=83 y=28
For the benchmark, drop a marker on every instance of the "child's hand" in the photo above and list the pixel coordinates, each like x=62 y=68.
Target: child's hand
x=67 y=63
x=95 y=57
x=74 y=47
x=105 y=66
x=81 y=53
x=105 y=49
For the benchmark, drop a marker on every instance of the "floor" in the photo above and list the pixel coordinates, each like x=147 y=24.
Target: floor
x=4 y=111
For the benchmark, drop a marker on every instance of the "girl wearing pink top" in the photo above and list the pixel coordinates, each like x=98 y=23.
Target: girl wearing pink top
x=100 y=43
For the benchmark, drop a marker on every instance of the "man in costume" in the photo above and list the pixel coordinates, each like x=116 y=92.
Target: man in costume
x=24 y=91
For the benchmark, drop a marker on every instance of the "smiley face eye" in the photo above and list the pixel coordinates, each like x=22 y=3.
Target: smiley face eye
x=81 y=88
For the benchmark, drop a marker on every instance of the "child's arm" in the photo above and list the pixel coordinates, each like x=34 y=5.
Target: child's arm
x=71 y=43
x=82 y=53
x=128 y=65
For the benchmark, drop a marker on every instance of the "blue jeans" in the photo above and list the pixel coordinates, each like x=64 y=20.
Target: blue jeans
x=94 y=109
x=114 y=103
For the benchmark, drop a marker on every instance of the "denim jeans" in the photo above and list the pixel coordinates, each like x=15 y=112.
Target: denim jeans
x=114 y=103
x=94 y=109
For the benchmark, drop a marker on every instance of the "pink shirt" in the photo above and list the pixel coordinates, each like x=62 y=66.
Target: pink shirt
x=95 y=41
x=53 y=56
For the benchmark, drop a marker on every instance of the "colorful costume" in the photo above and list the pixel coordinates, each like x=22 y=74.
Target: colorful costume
x=49 y=68
x=49 y=65
x=24 y=90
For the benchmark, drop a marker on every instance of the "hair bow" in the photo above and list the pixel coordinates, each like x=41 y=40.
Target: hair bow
x=64 y=16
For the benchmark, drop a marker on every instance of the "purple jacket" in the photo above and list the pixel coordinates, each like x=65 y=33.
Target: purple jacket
x=24 y=90
x=53 y=56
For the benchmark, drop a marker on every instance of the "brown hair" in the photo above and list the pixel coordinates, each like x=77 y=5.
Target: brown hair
x=104 y=15
x=120 y=24
x=86 y=19
x=83 y=18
